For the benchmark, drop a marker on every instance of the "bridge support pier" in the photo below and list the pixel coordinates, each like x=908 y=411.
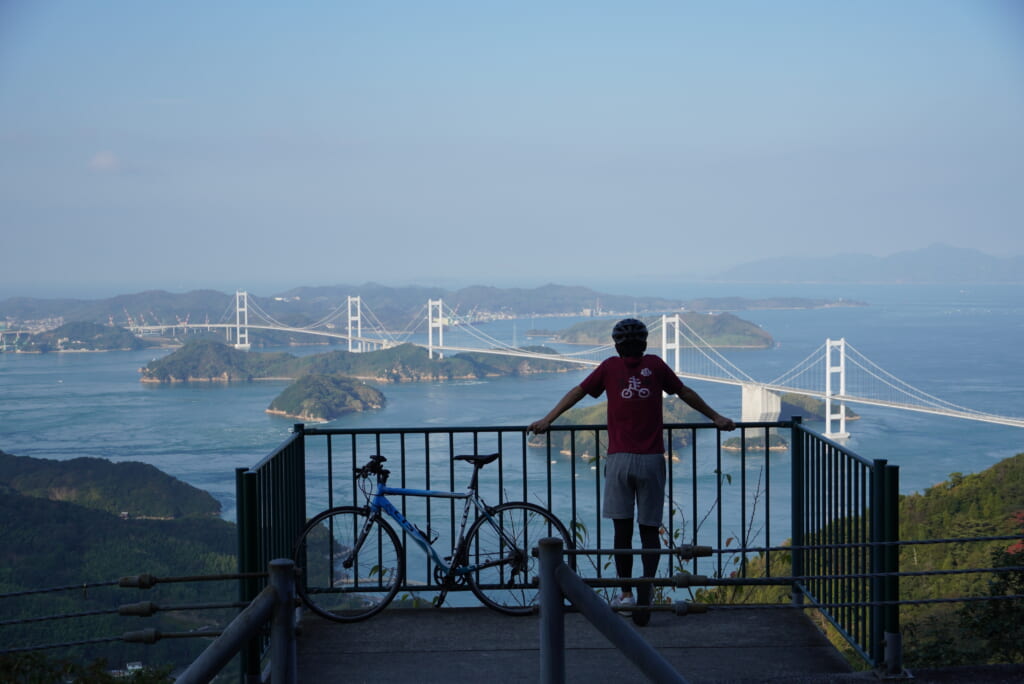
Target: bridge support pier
x=760 y=404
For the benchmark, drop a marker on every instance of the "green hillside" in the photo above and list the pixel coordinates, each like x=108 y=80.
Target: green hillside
x=47 y=543
x=138 y=489
x=986 y=504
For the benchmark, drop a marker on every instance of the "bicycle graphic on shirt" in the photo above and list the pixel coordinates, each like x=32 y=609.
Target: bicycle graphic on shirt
x=634 y=387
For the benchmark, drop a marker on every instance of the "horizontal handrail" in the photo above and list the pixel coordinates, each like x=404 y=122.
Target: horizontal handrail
x=275 y=603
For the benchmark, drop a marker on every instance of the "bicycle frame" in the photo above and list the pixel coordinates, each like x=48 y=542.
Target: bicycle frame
x=379 y=503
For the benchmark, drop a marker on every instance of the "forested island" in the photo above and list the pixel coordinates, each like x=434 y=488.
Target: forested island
x=83 y=336
x=717 y=330
x=334 y=383
x=208 y=361
x=319 y=398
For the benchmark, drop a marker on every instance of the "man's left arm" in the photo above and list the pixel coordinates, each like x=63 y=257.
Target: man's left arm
x=691 y=397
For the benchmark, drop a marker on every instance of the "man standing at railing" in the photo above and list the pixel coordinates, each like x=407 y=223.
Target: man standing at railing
x=635 y=465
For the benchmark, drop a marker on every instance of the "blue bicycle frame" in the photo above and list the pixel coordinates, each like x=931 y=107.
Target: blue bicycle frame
x=379 y=503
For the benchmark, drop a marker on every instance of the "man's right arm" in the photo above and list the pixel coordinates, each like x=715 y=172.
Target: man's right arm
x=564 y=404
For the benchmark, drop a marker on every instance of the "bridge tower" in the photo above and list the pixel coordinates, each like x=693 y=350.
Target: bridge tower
x=667 y=344
x=355 y=304
x=835 y=364
x=435 y=321
x=242 y=320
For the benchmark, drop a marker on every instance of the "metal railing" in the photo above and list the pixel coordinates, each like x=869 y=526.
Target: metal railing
x=275 y=604
x=845 y=517
x=271 y=513
x=743 y=493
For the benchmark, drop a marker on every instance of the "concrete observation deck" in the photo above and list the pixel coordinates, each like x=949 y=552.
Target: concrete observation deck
x=728 y=645
x=480 y=645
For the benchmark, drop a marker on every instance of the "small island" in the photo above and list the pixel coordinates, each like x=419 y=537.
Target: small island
x=755 y=443
x=718 y=330
x=209 y=361
x=330 y=385
x=321 y=398
x=807 y=408
x=82 y=337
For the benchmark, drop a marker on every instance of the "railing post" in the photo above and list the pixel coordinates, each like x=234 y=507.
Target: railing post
x=246 y=496
x=293 y=492
x=878 y=558
x=283 y=656
x=552 y=617
x=893 y=638
x=797 y=507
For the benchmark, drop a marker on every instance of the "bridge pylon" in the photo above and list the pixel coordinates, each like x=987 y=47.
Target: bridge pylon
x=672 y=344
x=835 y=349
x=435 y=321
x=242 y=320
x=355 y=341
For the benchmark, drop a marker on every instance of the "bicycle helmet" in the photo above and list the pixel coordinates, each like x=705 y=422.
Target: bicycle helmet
x=629 y=330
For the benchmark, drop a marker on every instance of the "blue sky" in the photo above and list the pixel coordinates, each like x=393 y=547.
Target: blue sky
x=185 y=144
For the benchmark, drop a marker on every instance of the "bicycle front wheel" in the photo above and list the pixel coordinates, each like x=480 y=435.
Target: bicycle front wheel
x=500 y=544
x=351 y=565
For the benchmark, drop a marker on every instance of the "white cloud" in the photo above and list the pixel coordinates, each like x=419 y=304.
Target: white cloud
x=105 y=161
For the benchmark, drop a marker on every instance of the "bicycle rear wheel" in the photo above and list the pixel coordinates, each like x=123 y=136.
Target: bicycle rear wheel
x=351 y=565
x=503 y=544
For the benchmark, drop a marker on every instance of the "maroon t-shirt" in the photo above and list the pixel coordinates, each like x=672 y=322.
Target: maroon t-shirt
x=634 y=386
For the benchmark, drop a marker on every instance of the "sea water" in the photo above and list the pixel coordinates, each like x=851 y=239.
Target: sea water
x=958 y=343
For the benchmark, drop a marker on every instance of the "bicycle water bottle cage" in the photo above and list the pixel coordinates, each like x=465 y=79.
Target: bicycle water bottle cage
x=430 y=535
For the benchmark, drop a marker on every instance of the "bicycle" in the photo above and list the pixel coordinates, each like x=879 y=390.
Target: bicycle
x=353 y=564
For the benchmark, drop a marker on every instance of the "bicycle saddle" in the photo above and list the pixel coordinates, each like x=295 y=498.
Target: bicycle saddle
x=479 y=460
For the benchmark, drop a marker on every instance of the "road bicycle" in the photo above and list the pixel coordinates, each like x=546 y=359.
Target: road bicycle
x=352 y=563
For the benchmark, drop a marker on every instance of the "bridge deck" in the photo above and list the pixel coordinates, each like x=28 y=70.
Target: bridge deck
x=477 y=644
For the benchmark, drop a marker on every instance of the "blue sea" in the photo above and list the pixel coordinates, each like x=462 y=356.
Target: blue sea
x=958 y=343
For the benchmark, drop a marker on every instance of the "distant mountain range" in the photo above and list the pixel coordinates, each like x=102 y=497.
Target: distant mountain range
x=938 y=263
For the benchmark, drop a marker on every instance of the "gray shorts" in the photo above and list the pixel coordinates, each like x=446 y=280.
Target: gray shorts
x=635 y=479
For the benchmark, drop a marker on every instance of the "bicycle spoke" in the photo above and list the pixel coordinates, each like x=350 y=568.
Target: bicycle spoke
x=501 y=546
x=343 y=578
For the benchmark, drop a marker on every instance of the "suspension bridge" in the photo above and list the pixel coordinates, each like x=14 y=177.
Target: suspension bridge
x=835 y=372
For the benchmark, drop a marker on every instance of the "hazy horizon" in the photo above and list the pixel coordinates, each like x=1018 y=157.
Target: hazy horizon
x=226 y=145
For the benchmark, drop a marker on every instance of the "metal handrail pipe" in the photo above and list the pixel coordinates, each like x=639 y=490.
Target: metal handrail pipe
x=685 y=551
x=598 y=613
x=679 y=579
x=275 y=603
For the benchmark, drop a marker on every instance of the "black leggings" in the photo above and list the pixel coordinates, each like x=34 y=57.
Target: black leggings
x=624 y=563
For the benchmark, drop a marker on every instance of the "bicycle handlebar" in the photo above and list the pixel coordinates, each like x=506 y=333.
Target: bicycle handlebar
x=374 y=468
